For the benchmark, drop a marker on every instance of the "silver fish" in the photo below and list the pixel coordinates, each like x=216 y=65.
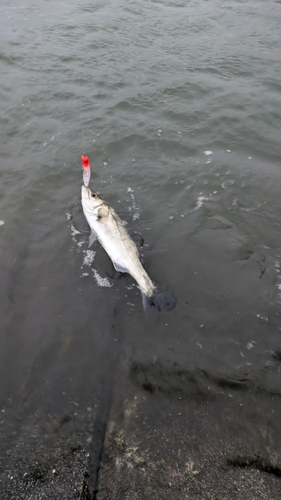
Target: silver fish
x=122 y=250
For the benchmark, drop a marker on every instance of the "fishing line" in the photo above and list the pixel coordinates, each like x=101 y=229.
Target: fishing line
x=84 y=150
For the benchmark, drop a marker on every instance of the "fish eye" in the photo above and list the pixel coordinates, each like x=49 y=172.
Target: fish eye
x=93 y=195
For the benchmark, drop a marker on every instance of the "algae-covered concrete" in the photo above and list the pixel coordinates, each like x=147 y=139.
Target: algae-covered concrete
x=190 y=444
x=169 y=434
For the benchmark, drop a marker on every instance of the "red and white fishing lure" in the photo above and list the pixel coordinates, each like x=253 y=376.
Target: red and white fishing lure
x=86 y=169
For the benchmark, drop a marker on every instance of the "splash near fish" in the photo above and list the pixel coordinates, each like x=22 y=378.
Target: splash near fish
x=108 y=228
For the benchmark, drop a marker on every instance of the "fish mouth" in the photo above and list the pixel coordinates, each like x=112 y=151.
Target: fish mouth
x=85 y=192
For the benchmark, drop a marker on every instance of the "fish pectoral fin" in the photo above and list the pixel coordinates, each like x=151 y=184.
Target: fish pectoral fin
x=118 y=268
x=92 y=238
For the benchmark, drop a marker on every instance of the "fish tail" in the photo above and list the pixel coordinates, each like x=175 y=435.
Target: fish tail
x=158 y=302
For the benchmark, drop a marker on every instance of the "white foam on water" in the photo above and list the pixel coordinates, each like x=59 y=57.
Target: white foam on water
x=250 y=345
x=200 y=201
x=2 y=222
x=265 y=318
x=208 y=153
x=68 y=215
x=81 y=243
x=104 y=282
x=74 y=232
x=89 y=256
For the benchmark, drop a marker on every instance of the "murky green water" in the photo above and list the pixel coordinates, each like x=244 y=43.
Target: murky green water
x=180 y=104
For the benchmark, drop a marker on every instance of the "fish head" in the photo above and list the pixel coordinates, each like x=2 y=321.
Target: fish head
x=90 y=200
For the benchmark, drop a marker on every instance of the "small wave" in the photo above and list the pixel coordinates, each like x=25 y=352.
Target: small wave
x=133 y=208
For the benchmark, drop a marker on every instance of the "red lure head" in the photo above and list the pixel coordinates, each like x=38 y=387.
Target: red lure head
x=85 y=161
